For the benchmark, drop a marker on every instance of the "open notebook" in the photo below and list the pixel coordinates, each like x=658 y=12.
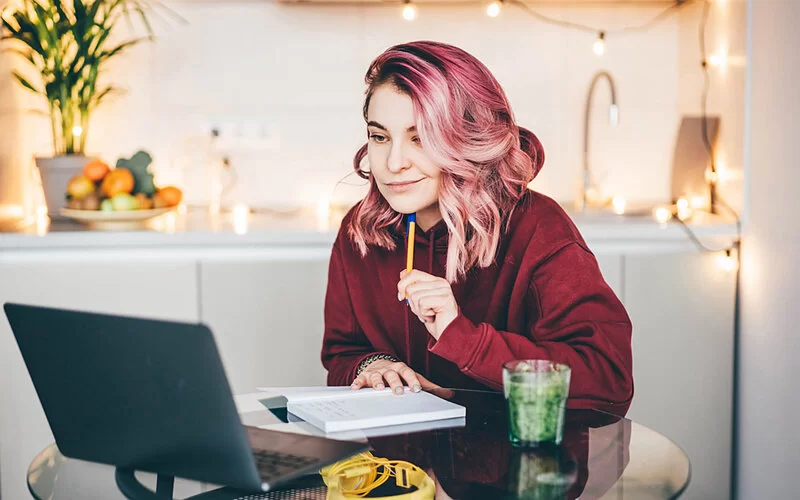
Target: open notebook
x=337 y=409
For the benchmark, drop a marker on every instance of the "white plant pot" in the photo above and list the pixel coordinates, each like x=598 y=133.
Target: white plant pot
x=56 y=173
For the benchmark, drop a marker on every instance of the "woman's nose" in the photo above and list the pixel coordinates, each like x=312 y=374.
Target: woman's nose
x=398 y=161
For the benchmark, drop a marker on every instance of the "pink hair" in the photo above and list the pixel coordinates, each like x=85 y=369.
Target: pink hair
x=467 y=127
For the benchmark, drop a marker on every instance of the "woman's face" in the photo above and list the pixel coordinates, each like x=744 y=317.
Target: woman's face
x=406 y=177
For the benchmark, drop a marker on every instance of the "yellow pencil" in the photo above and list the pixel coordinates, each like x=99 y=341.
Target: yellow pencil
x=412 y=224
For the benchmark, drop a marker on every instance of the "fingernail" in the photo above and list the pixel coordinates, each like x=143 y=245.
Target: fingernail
x=398 y=390
x=416 y=388
x=380 y=386
x=421 y=319
x=399 y=296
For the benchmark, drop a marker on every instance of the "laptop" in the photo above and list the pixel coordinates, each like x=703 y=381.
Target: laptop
x=152 y=395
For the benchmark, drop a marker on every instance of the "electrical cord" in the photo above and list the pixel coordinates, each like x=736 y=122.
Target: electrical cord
x=716 y=198
x=582 y=27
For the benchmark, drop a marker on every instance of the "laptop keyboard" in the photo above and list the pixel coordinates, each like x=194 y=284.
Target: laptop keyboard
x=271 y=463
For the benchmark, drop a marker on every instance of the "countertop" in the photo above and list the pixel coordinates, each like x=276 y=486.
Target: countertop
x=305 y=229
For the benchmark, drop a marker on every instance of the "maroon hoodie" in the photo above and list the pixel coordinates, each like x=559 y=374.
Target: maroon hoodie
x=543 y=298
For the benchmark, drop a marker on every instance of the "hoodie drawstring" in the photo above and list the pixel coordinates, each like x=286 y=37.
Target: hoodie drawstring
x=430 y=253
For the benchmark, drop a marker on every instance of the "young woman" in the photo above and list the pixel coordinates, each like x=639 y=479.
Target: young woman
x=500 y=272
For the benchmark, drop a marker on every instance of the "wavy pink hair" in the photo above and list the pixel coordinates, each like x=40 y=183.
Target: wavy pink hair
x=467 y=128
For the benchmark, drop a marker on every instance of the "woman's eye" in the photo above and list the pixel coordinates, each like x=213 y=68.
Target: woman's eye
x=416 y=140
x=377 y=137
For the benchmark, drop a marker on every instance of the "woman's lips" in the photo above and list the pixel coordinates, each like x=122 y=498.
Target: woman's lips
x=400 y=187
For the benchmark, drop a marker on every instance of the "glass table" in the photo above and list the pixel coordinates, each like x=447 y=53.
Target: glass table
x=601 y=456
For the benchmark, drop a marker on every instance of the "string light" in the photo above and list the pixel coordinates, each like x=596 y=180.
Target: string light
x=662 y=214
x=698 y=202
x=241 y=215
x=717 y=60
x=684 y=210
x=726 y=261
x=77 y=130
x=323 y=214
x=618 y=203
x=42 y=220
x=409 y=11
x=711 y=176
x=493 y=10
x=600 y=44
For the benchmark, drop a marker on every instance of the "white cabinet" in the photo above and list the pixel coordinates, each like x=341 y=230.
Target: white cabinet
x=267 y=318
x=612 y=266
x=152 y=289
x=265 y=307
x=682 y=308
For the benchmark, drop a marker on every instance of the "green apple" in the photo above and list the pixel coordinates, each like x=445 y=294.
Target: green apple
x=124 y=201
x=106 y=206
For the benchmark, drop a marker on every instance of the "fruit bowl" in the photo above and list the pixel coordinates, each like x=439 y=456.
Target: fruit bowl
x=114 y=221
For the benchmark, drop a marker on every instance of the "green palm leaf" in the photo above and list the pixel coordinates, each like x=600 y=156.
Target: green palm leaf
x=67 y=42
x=25 y=83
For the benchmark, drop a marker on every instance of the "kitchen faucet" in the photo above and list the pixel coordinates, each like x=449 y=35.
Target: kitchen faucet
x=613 y=117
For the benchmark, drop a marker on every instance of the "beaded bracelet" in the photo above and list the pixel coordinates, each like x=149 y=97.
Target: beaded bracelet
x=374 y=357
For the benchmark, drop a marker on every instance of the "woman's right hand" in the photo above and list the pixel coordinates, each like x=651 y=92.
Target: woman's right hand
x=397 y=374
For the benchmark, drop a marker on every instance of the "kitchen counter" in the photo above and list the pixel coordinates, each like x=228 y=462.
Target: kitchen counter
x=305 y=230
x=259 y=282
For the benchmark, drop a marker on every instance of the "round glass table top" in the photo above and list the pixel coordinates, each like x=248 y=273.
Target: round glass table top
x=601 y=456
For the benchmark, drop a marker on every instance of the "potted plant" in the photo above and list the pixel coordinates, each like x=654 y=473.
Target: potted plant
x=66 y=45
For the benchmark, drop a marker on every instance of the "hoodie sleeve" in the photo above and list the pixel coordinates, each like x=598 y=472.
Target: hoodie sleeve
x=344 y=344
x=575 y=319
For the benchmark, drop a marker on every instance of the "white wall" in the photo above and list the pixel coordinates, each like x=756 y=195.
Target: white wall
x=301 y=68
x=769 y=442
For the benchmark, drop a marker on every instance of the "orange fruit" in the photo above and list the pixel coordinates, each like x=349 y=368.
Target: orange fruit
x=119 y=180
x=144 y=201
x=171 y=195
x=96 y=170
x=79 y=186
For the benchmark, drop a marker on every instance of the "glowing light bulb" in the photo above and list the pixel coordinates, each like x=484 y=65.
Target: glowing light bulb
x=323 y=214
x=717 y=60
x=600 y=44
x=726 y=261
x=698 y=202
x=684 y=210
x=662 y=214
x=724 y=174
x=77 y=130
x=169 y=222
x=42 y=220
x=618 y=203
x=241 y=213
x=409 y=11
x=493 y=10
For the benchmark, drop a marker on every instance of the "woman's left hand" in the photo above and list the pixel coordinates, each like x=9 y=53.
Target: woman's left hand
x=430 y=298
